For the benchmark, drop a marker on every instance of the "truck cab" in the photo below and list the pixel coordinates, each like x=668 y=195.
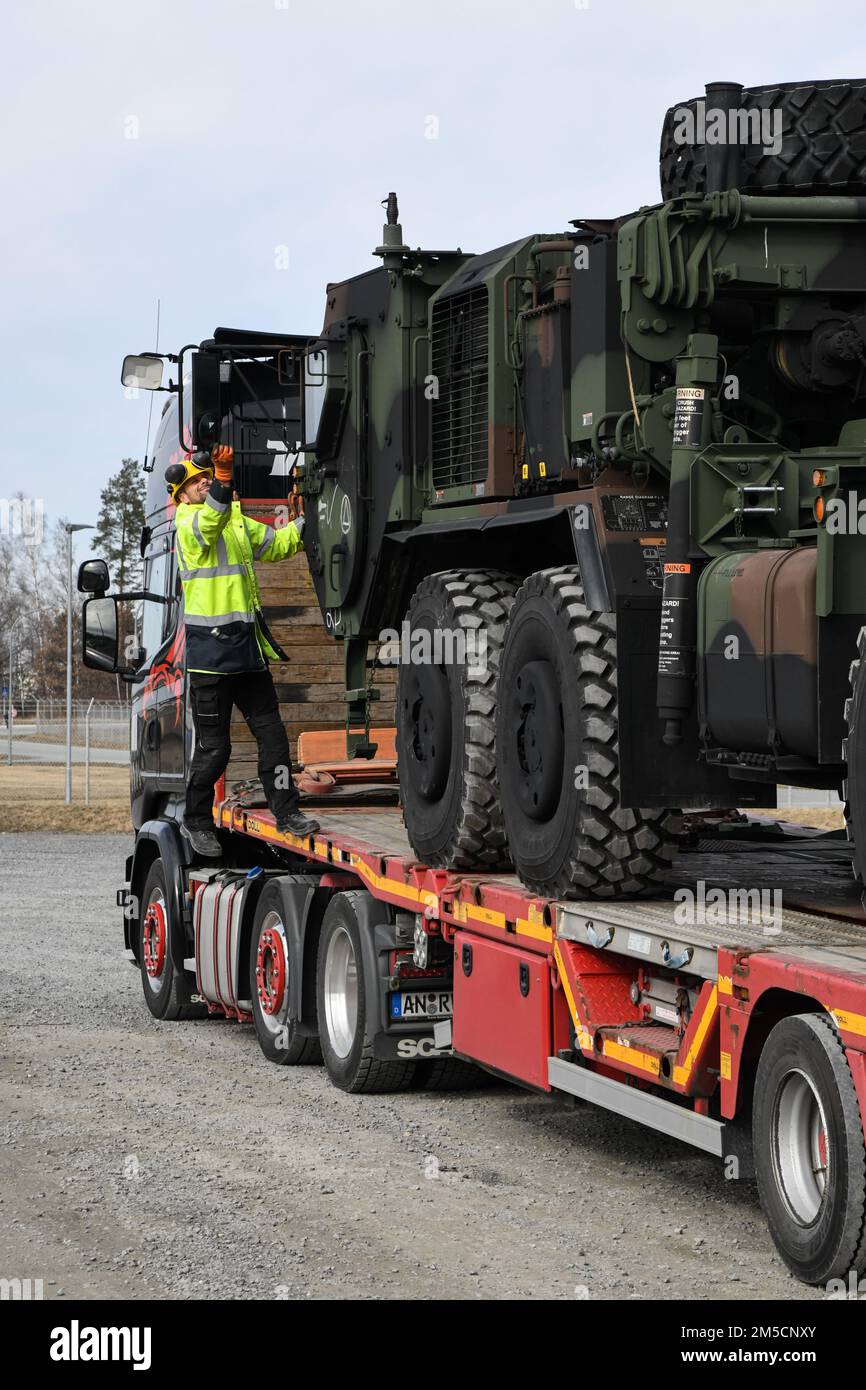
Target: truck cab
x=236 y=388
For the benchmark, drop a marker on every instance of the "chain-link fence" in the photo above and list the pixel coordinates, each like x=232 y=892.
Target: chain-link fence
x=37 y=792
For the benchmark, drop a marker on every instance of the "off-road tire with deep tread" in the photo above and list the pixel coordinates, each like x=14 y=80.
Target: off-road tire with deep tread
x=591 y=845
x=834 y=1243
x=464 y=827
x=823 y=143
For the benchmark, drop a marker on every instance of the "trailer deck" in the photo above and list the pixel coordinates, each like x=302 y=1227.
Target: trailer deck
x=371 y=842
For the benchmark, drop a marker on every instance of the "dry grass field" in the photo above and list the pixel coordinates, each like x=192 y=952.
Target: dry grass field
x=31 y=798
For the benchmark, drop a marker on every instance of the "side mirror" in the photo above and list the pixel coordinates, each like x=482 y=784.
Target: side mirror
x=93 y=577
x=99 y=634
x=143 y=371
x=206 y=409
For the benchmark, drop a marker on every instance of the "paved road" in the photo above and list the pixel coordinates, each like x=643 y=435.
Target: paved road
x=28 y=750
x=141 y=1159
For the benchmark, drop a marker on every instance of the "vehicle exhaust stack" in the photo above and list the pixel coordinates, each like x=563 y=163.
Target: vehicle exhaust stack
x=723 y=160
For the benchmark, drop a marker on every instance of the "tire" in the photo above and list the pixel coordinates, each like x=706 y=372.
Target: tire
x=273 y=962
x=854 y=755
x=451 y=1074
x=810 y=1158
x=167 y=991
x=446 y=754
x=558 y=749
x=347 y=1007
x=823 y=143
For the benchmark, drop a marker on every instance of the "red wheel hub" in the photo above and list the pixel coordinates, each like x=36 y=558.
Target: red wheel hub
x=154 y=939
x=271 y=971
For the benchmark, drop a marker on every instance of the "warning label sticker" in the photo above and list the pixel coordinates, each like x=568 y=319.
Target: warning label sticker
x=688 y=417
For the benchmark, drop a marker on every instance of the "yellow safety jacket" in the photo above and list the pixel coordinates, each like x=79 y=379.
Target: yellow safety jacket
x=216 y=546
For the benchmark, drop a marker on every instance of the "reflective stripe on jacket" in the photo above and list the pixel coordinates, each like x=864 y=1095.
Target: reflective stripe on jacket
x=216 y=548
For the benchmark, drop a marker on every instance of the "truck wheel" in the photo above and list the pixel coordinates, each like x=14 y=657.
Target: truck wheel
x=823 y=147
x=810 y=1159
x=446 y=708
x=558 y=749
x=347 y=1007
x=167 y=991
x=273 y=961
x=854 y=755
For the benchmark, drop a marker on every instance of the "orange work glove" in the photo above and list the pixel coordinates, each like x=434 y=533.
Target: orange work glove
x=223 y=461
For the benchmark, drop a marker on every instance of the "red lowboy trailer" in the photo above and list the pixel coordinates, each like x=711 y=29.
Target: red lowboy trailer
x=705 y=1016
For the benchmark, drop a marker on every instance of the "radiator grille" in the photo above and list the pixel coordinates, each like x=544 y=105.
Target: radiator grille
x=459 y=362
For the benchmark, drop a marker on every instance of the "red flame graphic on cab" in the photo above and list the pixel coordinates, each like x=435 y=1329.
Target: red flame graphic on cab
x=168 y=674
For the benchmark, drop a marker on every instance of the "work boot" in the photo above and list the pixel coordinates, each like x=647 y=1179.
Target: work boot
x=297 y=824
x=204 y=842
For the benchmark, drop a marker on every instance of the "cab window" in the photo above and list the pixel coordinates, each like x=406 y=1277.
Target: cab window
x=155 y=617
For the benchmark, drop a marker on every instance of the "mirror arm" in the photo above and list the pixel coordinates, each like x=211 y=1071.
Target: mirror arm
x=135 y=594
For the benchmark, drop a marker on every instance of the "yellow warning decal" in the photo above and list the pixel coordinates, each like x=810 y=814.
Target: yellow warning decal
x=725 y=1066
x=848 y=1022
x=631 y=1056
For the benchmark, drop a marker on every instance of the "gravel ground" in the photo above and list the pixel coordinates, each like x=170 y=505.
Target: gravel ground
x=143 y=1159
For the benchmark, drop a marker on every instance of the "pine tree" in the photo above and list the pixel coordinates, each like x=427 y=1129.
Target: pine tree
x=118 y=526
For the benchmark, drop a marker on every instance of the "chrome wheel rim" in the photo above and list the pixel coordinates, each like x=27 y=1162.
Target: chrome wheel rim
x=801 y=1148
x=341 y=992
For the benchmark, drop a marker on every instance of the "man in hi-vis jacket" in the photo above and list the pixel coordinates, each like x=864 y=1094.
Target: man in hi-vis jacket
x=228 y=646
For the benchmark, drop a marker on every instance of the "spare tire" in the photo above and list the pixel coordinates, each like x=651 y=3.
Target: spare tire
x=823 y=147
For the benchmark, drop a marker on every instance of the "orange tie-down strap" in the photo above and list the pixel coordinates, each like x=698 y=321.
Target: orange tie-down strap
x=322 y=755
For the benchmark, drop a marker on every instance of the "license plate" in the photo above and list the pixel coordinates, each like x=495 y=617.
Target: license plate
x=436 y=1004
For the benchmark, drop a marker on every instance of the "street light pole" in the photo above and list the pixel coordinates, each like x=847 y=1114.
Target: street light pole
x=69 y=527
x=9 y=695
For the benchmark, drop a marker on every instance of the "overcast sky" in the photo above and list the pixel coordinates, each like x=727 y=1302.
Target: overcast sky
x=172 y=149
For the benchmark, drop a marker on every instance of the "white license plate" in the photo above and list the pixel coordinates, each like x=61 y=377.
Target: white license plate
x=435 y=1004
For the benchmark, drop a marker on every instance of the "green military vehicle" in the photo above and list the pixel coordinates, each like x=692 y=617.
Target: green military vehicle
x=598 y=492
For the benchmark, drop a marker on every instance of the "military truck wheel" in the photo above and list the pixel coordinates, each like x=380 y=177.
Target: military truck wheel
x=167 y=990
x=823 y=144
x=557 y=744
x=446 y=708
x=809 y=1154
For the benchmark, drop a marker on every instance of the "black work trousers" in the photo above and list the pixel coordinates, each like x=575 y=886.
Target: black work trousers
x=212 y=699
